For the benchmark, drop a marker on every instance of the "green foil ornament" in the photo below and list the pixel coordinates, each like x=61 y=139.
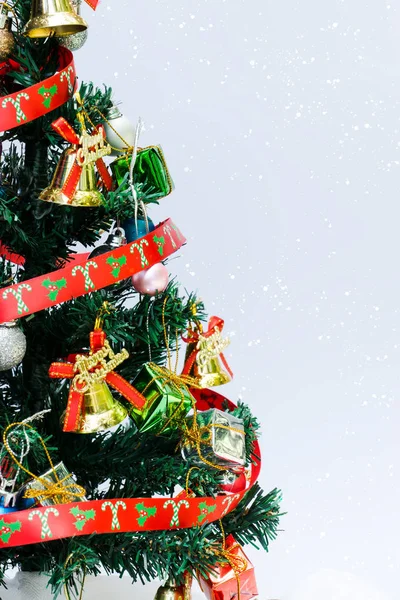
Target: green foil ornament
x=167 y=403
x=150 y=172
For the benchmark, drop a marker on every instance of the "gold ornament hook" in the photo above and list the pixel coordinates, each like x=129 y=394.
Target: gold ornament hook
x=104 y=310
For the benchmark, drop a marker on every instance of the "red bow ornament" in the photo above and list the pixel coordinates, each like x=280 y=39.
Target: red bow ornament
x=205 y=347
x=92 y=3
x=87 y=369
x=90 y=149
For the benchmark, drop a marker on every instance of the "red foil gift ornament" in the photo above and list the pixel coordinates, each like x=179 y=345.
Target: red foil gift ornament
x=87 y=150
x=87 y=373
x=204 y=354
x=233 y=577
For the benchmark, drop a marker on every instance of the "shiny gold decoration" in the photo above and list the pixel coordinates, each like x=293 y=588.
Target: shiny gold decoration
x=92 y=147
x=75 y=41
x=85 y=380
x=53 y=17
x=86 y=193
x=207 y=368
x=56 y=486
x=7 y=42
x=171 y=591
x=100 y=410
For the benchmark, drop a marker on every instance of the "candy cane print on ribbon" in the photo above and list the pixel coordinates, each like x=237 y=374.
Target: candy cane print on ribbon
x=67 y=75
x=16 y=102
x=114 y=509
x=167 y=231
x=17 y=293
x=178 y=233
x=44 y=519
x=85 y=272
x=139 y=248
x=176 y=506
x=31 y=98
x=228 y=501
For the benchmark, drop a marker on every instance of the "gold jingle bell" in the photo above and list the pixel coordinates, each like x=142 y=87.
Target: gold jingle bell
x=210 y=372
x=53 y=17
x=171 y=591
x=7 y=42
x=86 y=193
x=100 y=411
x=207 y=368
x=75 y=41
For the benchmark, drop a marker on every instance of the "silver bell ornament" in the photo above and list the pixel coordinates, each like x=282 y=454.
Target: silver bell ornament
x=115 y=239
x=120 y=132
x=75 y=41
x=12 y=345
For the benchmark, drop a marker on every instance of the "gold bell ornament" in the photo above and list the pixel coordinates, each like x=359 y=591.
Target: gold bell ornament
x=91 y=408
x=204 y=359
x=7 y=42
x=86 y=193
x=171 y=591
x=101 y=412
x=53 y=17
x=75 y=181
x=75 y=41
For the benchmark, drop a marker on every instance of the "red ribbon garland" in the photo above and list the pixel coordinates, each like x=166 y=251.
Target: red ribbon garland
x=194 y=338
x=64 y=129
x=13 y=113
x=75 y=399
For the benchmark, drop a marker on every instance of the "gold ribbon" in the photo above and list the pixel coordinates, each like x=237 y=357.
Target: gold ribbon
x=51 y=489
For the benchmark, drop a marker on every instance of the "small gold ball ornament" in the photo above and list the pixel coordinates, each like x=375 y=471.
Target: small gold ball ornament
x=7 y=42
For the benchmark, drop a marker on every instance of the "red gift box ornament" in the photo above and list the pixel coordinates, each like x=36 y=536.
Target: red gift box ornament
x=233 y=577
x=87 y=371
x=204 y=354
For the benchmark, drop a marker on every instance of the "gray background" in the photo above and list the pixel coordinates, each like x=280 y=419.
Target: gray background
x=280 y=124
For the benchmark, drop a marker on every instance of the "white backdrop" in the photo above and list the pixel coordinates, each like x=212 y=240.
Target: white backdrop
x=280 y=124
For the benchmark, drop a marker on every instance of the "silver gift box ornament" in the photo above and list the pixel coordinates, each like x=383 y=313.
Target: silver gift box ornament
x=67 y=481
x=226 y=445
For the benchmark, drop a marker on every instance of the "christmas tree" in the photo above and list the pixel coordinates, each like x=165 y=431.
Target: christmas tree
x=111 y=459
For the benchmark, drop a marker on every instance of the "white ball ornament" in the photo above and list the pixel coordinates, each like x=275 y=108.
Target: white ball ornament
x=120 y=132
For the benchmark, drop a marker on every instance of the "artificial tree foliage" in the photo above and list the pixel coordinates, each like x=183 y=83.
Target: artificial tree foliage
x=125 y=464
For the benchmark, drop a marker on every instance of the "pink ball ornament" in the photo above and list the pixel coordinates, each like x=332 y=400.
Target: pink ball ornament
x=151 y=280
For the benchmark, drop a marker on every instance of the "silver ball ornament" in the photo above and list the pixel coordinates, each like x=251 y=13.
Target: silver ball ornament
x=12 y=345
x=73 y=42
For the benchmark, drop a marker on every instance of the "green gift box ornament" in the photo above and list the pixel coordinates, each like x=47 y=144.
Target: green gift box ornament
x=168 y=399
x=150 y=172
